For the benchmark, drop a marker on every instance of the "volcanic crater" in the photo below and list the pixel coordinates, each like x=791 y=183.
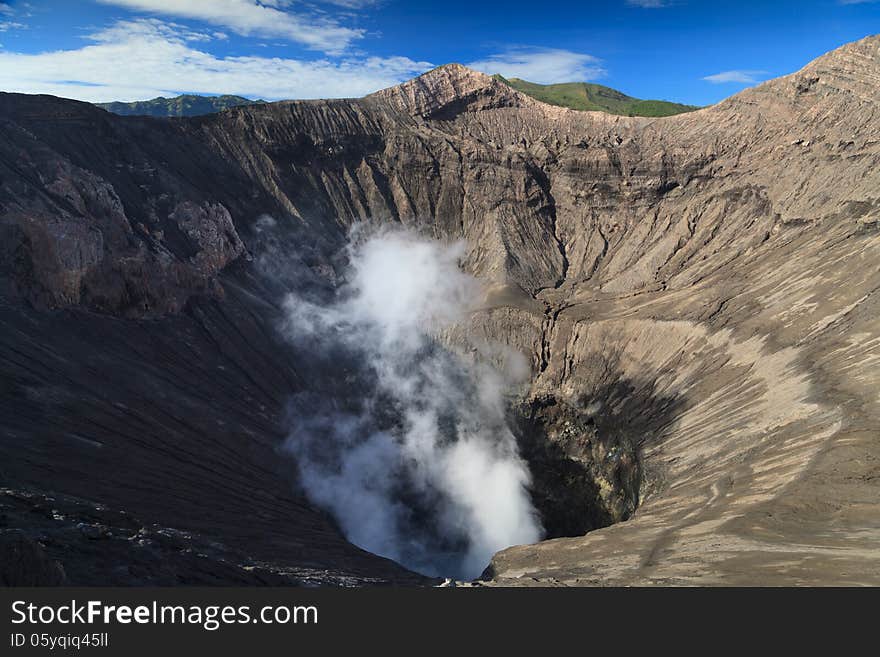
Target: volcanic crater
x=695 y=296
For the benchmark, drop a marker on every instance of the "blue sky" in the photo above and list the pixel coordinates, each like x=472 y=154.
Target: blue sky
x=692 y=51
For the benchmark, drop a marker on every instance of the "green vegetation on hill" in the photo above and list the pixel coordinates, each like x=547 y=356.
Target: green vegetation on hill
x=186 y=105
x=574 y=95
x=596 y=98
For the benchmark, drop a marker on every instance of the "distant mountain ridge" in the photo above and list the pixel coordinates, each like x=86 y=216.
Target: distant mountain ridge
x=583 y=96
x=596 y=98
x=184 y=105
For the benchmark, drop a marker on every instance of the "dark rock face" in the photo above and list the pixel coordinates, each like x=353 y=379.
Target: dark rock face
x=24 y=563
x=91 y=217
x=706 y=280
x=585 y=459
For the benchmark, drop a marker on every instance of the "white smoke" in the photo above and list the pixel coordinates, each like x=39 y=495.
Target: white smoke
x=407 y=444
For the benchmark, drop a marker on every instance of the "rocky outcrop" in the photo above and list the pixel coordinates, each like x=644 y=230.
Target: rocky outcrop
x=702 y=285
x=91 y=218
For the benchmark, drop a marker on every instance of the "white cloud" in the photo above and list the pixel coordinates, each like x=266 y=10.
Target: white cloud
x=148 y=28
x=648 y=4
x=135 y=60
x=740 y=77
x=250 y=18
x=542 y=65
x=6 y=25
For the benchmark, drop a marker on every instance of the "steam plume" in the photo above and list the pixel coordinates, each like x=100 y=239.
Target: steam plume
x=403 y=441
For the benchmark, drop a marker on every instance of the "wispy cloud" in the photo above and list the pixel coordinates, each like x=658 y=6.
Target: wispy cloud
x=856 y=2
x=648 y=4
x=11 y=25
x=134 y=60
x=543 y=65
x=271 y=18
x=739 y=77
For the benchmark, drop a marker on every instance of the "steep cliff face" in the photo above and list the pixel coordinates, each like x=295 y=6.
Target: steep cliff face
x=704 y=284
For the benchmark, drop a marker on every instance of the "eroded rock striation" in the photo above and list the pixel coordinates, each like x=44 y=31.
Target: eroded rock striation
x=696 y=294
